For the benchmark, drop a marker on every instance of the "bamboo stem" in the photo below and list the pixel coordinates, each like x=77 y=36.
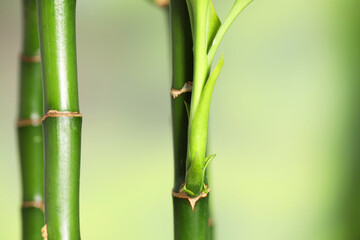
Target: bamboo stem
x=207 y=32
x=29 y=126
x=62 y=131
x=188 y=224
x=182 y=71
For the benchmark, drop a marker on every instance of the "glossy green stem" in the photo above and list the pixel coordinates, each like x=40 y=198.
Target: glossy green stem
x=62 y=135
x=62 y=170
x=58 y=54
x=30 y=137
x=211 y=235
x=182 y=72
x=191 y=225
x=188 y=225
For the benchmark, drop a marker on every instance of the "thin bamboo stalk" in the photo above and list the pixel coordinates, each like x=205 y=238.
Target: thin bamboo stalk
x=29 y=126
x=62 y=121
x=188 y=224
x=198 y=19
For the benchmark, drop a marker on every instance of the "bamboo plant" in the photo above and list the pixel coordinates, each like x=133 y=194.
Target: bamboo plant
x=62 y=119
x=196 y=33
x=29 y=126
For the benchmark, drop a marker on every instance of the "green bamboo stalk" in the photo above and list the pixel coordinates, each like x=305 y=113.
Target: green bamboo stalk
x=29 y=126
x=200 y=21
x=62 y=121
x=188 y=224
x=211 y=222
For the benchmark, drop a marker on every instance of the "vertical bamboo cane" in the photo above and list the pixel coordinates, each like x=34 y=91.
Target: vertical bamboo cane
x=207 y=31
x=188 y=224
x=62 y=121
x=29 y=126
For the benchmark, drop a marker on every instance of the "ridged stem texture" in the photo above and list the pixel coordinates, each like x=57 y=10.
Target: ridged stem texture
x=29 y=126
x=62 y=133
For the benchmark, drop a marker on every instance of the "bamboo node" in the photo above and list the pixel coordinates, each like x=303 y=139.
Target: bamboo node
x=28 y=122
x=186 y=88
x=31 y=59
x=34 y=204
x=54 y=113
x=192 y=201
x=210 y=222
x=162 y=3
x=44 y=233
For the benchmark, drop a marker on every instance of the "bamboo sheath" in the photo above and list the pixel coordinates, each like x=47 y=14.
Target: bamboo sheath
x=62 y=121
x=30 y=137
x=189 y=224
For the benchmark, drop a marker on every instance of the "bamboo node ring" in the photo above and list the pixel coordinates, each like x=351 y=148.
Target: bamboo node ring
x=34 y=204
x=28 y=122
x=54 y=113
x=44 y=233
x=31 y=59
x=162 y=3
x=186 y=88
x=192 y=201
x=210 y=222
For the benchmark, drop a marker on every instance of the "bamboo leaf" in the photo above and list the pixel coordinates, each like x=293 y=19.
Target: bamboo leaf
x=208 y=161
x=196 y=162
x=187 y=106
x=199 y=125
x=194 y=178
x=214 y=24
x=237 y=8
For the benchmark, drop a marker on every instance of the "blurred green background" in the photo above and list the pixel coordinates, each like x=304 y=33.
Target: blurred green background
x=284 y=121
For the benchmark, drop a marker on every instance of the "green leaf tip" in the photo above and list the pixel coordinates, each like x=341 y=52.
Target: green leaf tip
x=187 y=107
x=199 y=124
x=197 y=162
x=235 y=11
x=207 y=161
x=213 y=25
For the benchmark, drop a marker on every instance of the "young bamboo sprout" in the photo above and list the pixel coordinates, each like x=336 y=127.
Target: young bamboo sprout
x=62 y=120
x=187 y=224
x=207 y=33
x=196 y=34
x=29 y=126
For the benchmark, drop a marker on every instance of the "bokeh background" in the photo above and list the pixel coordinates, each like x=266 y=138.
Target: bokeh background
x=284 y=121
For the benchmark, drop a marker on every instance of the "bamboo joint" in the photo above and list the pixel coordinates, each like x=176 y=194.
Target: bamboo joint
x=28 y=122
x=31 y=59
x=192 y=201
x=54 y=113
x=44 y=233
x=186 y=88
x=33 y=204
x=162 y=3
